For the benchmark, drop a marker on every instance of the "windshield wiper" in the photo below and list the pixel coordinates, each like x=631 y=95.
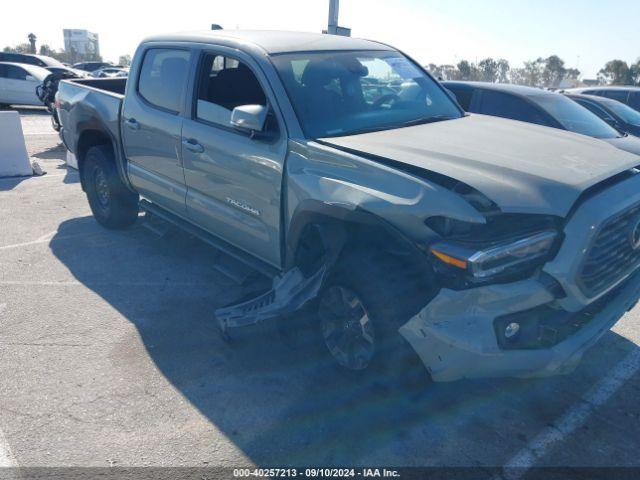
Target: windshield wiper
x=410 y=123
x=424 y=120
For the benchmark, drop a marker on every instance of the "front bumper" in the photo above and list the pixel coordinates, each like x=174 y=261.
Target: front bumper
x=454 y=334
x=455 y=338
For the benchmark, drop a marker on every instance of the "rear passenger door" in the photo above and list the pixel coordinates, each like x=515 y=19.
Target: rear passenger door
x=20 y=86
x=152 y=126
x=234 y=180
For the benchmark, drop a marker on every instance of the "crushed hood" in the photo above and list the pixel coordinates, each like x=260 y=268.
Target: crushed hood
x=521 y=167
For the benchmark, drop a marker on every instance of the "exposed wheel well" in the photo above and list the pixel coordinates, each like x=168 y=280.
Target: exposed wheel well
x=88 y=139
x=328 y=237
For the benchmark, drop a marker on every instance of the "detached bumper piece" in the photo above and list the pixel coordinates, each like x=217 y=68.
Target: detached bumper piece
x=289 y=293
x=461 y=334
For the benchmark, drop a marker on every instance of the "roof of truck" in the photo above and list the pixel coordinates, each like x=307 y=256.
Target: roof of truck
x=273 y=41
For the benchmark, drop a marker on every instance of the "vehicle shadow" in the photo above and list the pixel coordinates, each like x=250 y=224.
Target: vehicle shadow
x=274 y=394
x=9 y=183
x=51 y=153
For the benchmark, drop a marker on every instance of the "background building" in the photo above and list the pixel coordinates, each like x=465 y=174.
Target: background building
x=81 y=44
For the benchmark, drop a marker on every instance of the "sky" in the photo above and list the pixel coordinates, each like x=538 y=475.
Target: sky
x=585 y=33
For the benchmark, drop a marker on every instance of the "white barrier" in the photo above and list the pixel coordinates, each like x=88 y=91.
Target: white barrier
x=14 y=159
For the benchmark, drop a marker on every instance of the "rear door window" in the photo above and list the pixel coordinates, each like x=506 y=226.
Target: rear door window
x=163 y=77
x=504 y=105
x=16 y=73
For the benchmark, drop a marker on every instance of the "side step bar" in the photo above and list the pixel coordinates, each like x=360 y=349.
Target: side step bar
x=206 y=237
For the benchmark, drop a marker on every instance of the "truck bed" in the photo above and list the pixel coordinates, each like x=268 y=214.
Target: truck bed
x=113 y=85
x=95 y=101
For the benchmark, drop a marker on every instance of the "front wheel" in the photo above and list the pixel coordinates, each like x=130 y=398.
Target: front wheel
x=112 y=204
x=360 y=309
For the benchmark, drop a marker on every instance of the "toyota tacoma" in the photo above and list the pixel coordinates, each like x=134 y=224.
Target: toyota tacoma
x=473 y=245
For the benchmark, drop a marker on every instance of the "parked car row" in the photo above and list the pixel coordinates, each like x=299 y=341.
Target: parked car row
x=18 y=83
x=22 y=74
x=541 y=107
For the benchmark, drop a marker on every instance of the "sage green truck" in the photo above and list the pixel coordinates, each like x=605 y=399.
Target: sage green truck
x=411 y=234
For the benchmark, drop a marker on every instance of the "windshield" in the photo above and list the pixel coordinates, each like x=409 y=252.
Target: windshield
x=574 y=117
x=346 y=93
x=626 y=113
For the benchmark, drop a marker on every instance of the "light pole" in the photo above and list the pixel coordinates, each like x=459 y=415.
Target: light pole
x=333 y=28
x=334 y=10
x=32 y=42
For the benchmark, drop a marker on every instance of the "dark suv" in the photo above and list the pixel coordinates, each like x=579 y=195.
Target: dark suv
x=628 y=95
x=617 y=114
x=542 y=107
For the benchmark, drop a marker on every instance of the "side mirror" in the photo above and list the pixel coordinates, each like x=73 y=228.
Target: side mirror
x=249 y=118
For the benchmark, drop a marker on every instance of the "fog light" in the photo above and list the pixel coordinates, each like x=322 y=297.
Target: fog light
x=512 y=330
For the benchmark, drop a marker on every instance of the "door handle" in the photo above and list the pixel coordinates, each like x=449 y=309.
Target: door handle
x=132 y=124
x=193 y=145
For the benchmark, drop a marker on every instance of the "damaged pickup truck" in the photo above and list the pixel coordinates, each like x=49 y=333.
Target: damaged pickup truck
x=345 y=172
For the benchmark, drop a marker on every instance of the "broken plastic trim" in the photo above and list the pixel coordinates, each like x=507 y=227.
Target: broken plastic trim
x=289 y=293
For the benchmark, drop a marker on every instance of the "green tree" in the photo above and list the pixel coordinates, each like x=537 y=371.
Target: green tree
x=467 y=70
x=124 y=60
x=616 y=72
x=21 y=48
x=488 y=69
x=553 y=71
x=503 y=71
x=634 y=73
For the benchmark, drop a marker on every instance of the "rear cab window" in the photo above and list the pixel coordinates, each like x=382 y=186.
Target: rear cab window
x=163 y=77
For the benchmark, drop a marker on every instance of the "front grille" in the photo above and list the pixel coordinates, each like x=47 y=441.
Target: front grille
x=611 y=255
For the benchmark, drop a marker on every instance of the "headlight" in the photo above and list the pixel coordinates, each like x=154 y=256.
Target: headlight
x=482 y=263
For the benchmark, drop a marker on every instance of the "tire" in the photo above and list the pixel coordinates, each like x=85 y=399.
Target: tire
x=4 y=106
x=381 y=292
x=113 y=205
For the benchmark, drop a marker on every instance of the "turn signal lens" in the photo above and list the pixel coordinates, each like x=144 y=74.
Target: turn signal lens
x=448 y=259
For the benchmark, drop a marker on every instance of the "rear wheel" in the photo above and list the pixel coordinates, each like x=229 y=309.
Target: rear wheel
x=113 y=205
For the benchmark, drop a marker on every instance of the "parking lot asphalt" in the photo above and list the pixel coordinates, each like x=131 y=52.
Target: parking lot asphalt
x=109 y=357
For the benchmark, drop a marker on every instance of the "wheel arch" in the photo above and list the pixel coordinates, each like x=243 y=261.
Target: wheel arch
x=92 y=134
x=329 y=229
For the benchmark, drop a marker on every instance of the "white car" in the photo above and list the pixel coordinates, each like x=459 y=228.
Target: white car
x=18 y=82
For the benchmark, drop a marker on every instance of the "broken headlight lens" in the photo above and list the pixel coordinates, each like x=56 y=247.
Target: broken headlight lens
x=484 y=263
